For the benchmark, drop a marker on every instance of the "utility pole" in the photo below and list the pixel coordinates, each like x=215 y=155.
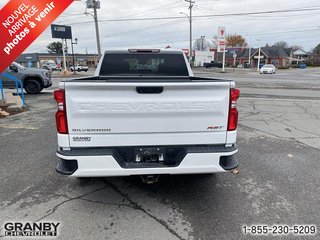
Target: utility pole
x=224 y=60
x=64 y=57
x=73 y=59
x=258 y=67
x=249 y=60
x=190 y=20
x=67 y=54
x=259 y=56
x=95 y=6
x=249 y=45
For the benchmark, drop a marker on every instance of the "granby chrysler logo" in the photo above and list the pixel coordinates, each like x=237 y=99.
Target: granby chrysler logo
x=39 y=229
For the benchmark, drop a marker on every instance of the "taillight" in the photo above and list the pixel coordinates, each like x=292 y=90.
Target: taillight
x=233 y=112
x=61 y=116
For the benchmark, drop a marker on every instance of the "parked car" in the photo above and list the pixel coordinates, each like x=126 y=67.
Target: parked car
x=268 y=68
x=51 y=67
x=33 y=79
x=213 y=64
x=144 y=113
x=79 y=68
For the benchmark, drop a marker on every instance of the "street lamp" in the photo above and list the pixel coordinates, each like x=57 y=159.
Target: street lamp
x=202 y=38
x=190 y=47
x=259 y=56
x=73 y=60
x=249 y=58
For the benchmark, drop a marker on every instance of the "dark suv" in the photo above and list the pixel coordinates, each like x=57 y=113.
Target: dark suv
x=213 y=64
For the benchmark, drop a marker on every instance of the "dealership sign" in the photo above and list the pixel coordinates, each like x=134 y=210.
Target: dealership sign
x=61 y=31
x=221 y=39
x=22 y=21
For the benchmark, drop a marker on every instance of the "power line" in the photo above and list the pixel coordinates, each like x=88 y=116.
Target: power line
x=282 y=32
x=173 y=41
x=143 y=13
x=155 y=43
x=156 y=9
x=205 y=10
x=216 y=15
x=204 y=16
x=148 y=43
x=139 y=30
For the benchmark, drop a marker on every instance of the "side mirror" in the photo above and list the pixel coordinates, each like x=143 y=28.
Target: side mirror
x=14 y=68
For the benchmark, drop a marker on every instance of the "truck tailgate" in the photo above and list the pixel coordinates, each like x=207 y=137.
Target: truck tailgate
x=102 y=114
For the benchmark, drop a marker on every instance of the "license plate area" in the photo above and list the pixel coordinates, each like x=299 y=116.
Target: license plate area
x=149 y=155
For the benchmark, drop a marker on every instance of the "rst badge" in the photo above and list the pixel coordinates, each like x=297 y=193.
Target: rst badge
x=214 y=128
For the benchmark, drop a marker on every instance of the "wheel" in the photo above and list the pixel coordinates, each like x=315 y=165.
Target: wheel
x=86 y=70
x=32 y=86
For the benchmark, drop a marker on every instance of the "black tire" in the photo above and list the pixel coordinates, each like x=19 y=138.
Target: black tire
x=32 y=86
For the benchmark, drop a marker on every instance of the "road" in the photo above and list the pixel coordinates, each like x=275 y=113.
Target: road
x=278 y=183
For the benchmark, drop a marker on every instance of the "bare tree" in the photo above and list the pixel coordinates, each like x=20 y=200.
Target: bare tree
x=316 y=50
x=214 y=41
x=201 y=44
x=283 y=44
x=296 y=47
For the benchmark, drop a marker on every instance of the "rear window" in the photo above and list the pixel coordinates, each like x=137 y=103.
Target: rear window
x=144 y=64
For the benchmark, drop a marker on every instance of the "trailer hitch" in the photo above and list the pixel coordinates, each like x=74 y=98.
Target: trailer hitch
x=149 y=179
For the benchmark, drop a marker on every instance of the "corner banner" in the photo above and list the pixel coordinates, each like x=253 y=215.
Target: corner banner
x=21 y=22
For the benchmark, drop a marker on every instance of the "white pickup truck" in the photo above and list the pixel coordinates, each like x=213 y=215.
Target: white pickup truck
x=79 y=68
x=144 y=113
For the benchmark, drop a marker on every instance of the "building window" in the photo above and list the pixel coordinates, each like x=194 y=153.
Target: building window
x=275 y=62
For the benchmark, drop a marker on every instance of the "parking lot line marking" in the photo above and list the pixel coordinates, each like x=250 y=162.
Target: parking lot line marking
x=18 y=127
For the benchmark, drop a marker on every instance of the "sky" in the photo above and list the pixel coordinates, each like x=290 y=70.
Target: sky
x=297 y=28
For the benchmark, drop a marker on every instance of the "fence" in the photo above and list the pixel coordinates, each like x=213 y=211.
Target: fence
x=18 y=84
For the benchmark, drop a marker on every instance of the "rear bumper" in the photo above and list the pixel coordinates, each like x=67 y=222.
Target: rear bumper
x=103 y=162
x=267 y=72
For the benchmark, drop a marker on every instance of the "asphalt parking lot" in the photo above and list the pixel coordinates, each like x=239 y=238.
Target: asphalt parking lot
x=278 y=183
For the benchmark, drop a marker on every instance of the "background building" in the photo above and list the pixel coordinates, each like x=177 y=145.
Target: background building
x=278 y=56
x=37 y=59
